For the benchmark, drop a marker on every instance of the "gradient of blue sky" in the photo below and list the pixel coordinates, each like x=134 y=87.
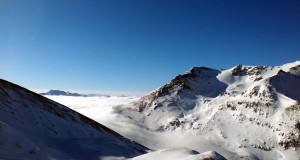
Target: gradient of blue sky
x=138 y=45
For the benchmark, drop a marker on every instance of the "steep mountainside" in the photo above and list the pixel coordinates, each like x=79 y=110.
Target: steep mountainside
x=253 y=111
x=34 y=127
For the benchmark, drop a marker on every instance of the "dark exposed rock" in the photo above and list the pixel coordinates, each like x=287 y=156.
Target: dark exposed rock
x=297 y=126
x=238 y=71
x=247 y=70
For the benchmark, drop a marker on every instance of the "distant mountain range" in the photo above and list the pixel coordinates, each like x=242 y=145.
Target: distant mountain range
x=64 y=93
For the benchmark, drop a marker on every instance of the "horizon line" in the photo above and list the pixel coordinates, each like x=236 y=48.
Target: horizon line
x=100 y=92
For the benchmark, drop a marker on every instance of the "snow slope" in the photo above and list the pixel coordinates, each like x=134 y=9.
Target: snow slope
x=34 y=127
x=180 y=154
x=246 y=112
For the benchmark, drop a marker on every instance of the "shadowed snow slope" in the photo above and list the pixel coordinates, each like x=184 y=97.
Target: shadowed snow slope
x=34 y=127
x=248 y=112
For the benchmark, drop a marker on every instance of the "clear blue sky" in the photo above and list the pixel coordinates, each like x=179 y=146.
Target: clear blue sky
x=138 y=45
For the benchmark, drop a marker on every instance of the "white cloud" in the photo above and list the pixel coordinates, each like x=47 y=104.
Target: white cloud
x=97 y=108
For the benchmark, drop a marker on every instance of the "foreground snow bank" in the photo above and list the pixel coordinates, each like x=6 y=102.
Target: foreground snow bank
x=180 y=154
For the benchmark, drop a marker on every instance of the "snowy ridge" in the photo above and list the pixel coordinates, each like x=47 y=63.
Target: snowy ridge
x=34 y=127
x=248 y=112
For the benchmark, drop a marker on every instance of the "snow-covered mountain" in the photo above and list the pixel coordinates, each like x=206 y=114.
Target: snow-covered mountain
x=246 y=112
x=34 y=127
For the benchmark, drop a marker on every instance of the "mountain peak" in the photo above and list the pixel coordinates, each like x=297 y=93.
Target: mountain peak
x=243 y=70
x=256 y=107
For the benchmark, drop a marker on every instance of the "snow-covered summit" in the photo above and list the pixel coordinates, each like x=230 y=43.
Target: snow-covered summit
x=247 y=109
